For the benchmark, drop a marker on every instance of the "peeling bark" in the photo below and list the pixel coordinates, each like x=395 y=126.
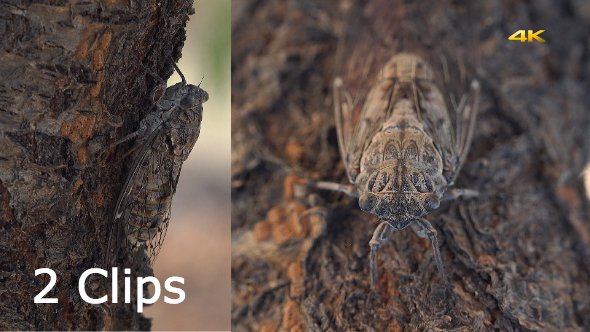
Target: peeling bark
x=72 y=82
x=517 y=257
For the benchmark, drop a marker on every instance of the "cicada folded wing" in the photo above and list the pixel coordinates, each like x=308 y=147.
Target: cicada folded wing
x=143 y=209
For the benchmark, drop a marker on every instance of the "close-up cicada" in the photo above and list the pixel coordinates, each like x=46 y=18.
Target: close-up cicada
x=400 y=148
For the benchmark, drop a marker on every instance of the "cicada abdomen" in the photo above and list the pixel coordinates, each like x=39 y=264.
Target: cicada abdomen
x=166 y=138
x=400 y=147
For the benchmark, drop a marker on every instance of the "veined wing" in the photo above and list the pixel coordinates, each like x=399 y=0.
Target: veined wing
x=356 y=129
x=142 y=213
x=466 y=113
x=436 y=118
x=360 y=57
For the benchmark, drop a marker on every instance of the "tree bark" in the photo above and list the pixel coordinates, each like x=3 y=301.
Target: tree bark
x=73 y=80
x=517 y=256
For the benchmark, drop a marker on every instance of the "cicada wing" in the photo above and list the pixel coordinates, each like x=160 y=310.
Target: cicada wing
x=438 y=125
x=155 y=182
x=453 y=144
x=345 y=125
x=342 y=106
x=466 y=115
x=359 y=62
x=358 y=124
x=452 y=141
x=117 y=234
x=142 y=213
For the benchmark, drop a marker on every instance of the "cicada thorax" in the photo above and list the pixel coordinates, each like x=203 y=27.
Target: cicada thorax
x=408 y=68
x=401 y=170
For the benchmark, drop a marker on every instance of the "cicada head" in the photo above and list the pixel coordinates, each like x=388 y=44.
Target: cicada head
x=194 y=96
x=399 y=208
x=185 y=101
x=191 y=104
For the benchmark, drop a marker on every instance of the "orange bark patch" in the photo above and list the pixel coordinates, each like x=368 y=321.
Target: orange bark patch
x=98 y=59
x=78 y=184
x=570 y=196
x=290 y=315
x=105 y=40
x=88 y=127
x=486 y=261
x=300 y=226
x=100 y=198
x=268 y=327
x=295 y=274
x=82 y=155
x=66 y=128
x=81 y=128
x=82 y=50
x=112 y=3
x=288 y=189
x=75 y=128
x=261 y=231
x=294 y=151
x=275 y=215
x=95 y=89
x=295 y=271
x=282 y=233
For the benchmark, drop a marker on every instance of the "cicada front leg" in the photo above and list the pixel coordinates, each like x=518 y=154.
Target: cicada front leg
x=380 y=235
x=424 y=229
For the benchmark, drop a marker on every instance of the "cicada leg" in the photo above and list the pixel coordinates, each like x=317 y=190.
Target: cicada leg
x=455 y=193
x=103 y=154
x=380 y=235
x=424 y=229
x=350 y=190
x=322 y=211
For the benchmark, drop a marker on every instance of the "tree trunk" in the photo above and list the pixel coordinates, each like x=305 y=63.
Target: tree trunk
x=517 y=256
x=73 y=80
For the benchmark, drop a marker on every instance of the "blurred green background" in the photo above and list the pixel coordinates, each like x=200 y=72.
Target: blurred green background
x=197 y=245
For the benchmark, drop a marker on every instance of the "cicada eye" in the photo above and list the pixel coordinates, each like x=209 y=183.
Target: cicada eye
x=367 y=202
x=432 y=202
x=187 y=102
x=204 y=96
x=158 y=93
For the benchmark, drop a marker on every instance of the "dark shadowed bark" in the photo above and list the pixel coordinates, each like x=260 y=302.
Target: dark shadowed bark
x=72 y=81
x=517 y=256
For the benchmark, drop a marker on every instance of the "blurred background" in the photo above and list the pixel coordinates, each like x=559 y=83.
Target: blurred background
x=197 y=245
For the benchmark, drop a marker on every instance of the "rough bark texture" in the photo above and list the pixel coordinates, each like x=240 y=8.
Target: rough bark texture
x=517 y=257
x=71 y=82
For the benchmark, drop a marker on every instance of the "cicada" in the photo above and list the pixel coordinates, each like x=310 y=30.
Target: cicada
x=400 y=148
x=165 y=140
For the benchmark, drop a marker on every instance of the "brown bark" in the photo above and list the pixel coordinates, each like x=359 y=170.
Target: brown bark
x=517 y=257
x=72 y=82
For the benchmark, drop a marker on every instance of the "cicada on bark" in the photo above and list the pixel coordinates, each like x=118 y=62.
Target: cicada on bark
x=164 y=140
x=401 y=149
